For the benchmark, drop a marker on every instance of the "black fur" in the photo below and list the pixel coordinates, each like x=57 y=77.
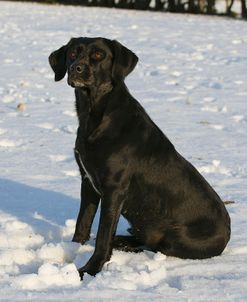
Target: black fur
x=130 y=165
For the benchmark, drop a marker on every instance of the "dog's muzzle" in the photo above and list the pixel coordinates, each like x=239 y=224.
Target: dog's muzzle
x=78 y=75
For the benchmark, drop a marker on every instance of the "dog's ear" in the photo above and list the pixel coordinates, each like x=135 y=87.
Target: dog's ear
x=57 y=60
x=124 y=61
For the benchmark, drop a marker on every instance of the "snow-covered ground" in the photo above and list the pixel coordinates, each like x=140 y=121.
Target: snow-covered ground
x=191 y=78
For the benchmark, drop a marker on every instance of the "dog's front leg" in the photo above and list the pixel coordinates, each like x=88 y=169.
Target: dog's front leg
x=110 y=211
x=89 y=204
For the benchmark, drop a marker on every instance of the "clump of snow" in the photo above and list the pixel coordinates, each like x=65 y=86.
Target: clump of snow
x=52 y=253
x=16 y=256
x=132 y=271
x=49 y=276
x=15 y=234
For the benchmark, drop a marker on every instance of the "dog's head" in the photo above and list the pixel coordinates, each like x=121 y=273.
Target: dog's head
x=91 y=62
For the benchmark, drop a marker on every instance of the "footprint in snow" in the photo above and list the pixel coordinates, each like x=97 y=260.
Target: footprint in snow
x=238 y=118
x=48 y=126
x=209 y=99
x=13 y=114
x=2 y=131
x=73 y=173
x=70 y=113
x=239 y=250
x=39 y=86
x=176 y=73
x=24 y=83
x=58 y=158
x=7 y=143
x=210 y=108
x=48 y=100
x=237 y=41
x=238 y=82
x=214 y=126
x=8 y=98
x=162 y=67
x=215 y=167
x=175 y=99
x=212 y=84
x=152 y=73
x=70 y=129
x=217 y=126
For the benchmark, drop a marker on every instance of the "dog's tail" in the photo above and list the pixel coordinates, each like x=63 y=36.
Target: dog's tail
x=226 y=202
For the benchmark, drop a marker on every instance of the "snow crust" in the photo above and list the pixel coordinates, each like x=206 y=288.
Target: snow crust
x=191 y=78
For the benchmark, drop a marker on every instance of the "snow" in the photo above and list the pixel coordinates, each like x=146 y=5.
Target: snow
x=191 y=78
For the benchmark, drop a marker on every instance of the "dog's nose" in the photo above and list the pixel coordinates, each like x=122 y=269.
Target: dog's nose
x=76 y=68
x=79 y=69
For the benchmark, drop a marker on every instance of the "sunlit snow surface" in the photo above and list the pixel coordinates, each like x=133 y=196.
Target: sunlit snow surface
x=191 y=79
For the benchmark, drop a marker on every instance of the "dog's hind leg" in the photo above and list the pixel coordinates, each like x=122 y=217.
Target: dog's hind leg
x=127 y=244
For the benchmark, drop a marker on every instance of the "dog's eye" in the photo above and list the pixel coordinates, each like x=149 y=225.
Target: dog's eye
x=97 y=56
x=72 y=55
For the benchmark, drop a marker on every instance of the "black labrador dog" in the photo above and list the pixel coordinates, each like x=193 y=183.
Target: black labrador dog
x=130 y=165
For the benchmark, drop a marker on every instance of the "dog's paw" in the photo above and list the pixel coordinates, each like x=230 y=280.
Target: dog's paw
x=84 y=270
x=89 y=269
x=79 y=239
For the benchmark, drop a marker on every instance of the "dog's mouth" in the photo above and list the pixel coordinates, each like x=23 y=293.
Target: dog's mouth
x=75 y=83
